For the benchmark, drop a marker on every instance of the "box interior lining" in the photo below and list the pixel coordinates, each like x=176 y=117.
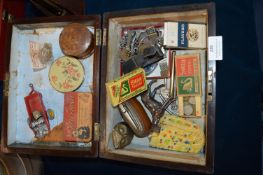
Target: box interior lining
x=139 y=146
x=22 y=74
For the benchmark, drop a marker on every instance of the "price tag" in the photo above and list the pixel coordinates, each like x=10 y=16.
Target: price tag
x=215 y=48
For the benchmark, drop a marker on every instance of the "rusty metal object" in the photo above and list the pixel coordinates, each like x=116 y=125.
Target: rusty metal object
x=76 y=40
x=155 y=107
x=135 y=116
x=122 y=135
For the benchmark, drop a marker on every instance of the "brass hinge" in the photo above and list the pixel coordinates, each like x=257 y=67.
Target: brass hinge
x=6 y=84
x=96 y=131
x=98 y=37
x=6 y=16
x=210 y=85
x=104 y=38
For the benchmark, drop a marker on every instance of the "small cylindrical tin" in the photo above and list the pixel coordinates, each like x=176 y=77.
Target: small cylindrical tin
x=76 y=40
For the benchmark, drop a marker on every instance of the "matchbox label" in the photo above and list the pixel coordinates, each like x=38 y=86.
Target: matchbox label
x=187 y=85
x=182 y=31
x=127 y=86
x=125 y=89
x=113 y=90
x=188 y=75
x=185 y=67
x=77 y=122
x=136 y=82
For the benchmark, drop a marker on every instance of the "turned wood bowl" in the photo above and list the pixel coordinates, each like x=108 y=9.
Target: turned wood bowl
x=76 y=40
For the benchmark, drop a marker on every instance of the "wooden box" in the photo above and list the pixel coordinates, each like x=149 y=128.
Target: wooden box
x=101 y=67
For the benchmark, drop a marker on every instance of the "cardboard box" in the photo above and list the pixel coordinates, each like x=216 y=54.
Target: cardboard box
x=185 y=35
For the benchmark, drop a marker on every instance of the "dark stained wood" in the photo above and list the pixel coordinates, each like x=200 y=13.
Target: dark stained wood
x=54 y=150
x=212 y=104
x=104 y=153
x=75 y=8
x=99 y=102
x=17 y=9
x=70 y=7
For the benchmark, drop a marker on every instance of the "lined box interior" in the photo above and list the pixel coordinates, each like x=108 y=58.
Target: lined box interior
x=140 y=146
x=21 y=75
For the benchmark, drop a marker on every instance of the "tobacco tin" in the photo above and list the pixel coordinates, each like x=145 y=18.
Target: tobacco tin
x=66 y=74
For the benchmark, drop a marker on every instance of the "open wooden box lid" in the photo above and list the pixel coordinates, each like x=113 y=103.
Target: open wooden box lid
x=104 y=67
x=17 y=137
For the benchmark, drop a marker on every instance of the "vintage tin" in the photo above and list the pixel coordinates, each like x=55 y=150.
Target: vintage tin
x=127 y=86
x=66 y=74
x=77 y=117
x=76 y=40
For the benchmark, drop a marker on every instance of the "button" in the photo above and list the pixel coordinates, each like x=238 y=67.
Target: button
x=51 y=114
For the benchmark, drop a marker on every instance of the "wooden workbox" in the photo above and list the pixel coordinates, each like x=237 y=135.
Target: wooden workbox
x=102 y=66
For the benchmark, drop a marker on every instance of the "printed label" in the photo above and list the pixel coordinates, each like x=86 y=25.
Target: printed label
x=188 y=75
x=185 y=35
x=136 y=82
x=125 y=89
x=77 y=116
x=215 y=48
x=182 y=31
x=130 y=84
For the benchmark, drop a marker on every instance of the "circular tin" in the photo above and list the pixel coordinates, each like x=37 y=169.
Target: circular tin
x=76 y=40
x=66 y=74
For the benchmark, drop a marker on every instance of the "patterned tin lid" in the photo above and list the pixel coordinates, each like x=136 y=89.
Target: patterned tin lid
x=66 y=74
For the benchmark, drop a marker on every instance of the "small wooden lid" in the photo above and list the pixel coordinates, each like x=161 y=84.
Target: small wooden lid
x=66 y=74
x=76 y=40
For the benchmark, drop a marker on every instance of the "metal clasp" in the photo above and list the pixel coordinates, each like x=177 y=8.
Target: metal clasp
x=210 y=86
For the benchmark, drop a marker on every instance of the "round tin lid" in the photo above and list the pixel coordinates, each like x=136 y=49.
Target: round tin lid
x=76 y=40
x=66 y=74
